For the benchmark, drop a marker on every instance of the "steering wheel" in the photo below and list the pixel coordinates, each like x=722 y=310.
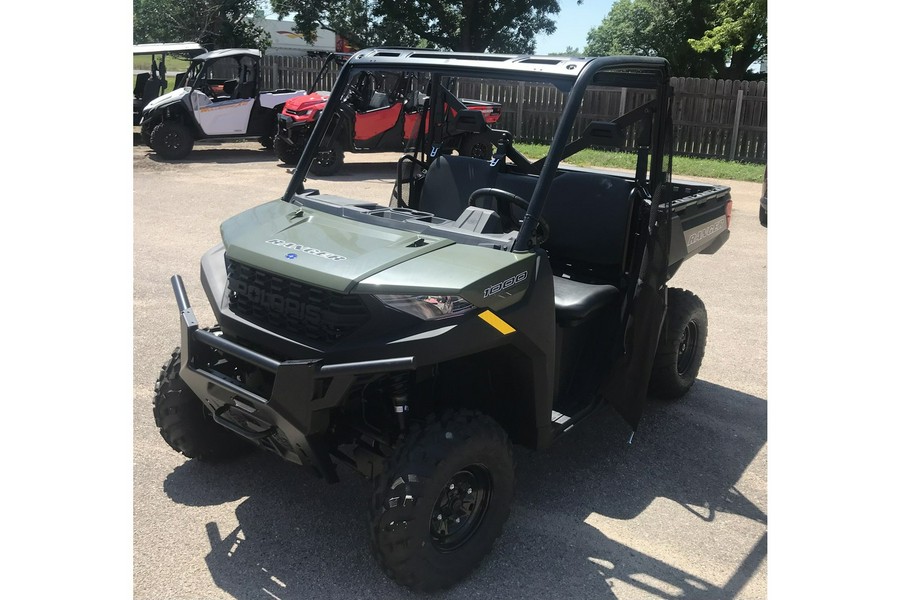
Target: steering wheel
x=360 y=91
x=505 y=200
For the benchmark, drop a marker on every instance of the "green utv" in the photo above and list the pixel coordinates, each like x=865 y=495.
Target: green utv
x=487 y=302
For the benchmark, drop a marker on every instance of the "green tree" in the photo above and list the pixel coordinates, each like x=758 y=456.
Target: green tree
x=700 y=38
x=211 y=23
x=461 y=25
x=569 y=51
x=354 y=20
x=738 y=36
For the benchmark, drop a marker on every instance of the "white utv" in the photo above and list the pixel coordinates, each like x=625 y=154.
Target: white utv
x=217 y=98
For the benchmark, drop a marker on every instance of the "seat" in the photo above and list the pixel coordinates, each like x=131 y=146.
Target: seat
x=229 y=86
x=450 y=181
x=590 y=217
x=378 y=100
x=152 y=87
x=576 y=301
x=244 y=90
x=139 y=82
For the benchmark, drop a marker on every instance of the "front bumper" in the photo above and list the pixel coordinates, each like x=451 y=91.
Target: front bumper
x=289 y=416
x=291 y=130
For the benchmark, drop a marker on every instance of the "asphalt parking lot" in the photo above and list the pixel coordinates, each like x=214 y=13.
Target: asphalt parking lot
x=679 y=513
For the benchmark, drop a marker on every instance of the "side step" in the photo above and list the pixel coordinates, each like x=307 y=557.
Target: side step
x=563 y=422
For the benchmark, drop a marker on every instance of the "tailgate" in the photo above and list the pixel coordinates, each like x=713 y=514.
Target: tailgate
x=702 y=216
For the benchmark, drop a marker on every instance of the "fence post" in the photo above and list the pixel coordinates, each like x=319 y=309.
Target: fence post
x=520 y=101
x=622 y=101
x=276 y=83
x=737 y=124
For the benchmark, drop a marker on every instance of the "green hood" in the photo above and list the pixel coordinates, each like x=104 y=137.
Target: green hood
x=344 y=255
x=317 y=248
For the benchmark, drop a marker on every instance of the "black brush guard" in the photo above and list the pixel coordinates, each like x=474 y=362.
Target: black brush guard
x=293 y=420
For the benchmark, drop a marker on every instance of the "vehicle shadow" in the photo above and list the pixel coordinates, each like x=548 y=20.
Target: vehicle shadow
x=211 y=154
x=355 y=171
x=298 y=537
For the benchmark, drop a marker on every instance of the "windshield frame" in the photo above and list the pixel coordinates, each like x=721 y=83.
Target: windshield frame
x=572 y=75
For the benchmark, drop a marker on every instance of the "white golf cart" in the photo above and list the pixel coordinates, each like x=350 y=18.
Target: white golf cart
x=150 y=84
x=218 y=98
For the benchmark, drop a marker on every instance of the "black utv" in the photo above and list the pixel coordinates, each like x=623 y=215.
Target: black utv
x=488 y=302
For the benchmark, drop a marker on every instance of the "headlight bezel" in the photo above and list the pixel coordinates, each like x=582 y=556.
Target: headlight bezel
x=428 y=307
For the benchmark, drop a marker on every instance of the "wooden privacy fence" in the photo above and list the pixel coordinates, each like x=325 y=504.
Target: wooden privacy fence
x=721 y=119
x=297 y=73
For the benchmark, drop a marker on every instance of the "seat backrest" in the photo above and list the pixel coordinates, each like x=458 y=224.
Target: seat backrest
x=589 y=215
x=450 y=181
x=247 y=84
x=152 y=87
x=229 y=86
x=379 y=100
x=139 y=83
x=244 y=90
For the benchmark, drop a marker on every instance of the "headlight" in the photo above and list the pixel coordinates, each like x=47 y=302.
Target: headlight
x=427 y=307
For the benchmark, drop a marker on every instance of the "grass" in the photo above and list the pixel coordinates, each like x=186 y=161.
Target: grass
x=173 y=65
x=142 y=63
x=169 y=80
x=682 y=166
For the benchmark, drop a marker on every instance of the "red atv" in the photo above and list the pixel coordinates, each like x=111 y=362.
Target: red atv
x=381 y=112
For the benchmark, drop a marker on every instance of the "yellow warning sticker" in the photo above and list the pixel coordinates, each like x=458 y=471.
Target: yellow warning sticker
x=497 y=323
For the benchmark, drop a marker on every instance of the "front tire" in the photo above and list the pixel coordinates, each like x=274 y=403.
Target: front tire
x=288 y=153
x=171 y=140
x=184 y=422
x=682 y=344
x=442 y=500
x=328 y=161
x=146 y=131
x=268 y=141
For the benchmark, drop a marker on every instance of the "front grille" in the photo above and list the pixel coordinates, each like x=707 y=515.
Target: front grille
x=292 y=309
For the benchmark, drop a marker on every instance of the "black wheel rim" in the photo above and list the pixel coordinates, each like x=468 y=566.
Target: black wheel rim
x=460 y=508
x=687 y=348
x=480 y=151
x=326 y=158
x=172 y=140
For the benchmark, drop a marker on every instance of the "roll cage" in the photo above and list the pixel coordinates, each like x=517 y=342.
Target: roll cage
x=571 y=75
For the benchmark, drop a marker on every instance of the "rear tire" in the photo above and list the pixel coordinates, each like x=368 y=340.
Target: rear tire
x=185 y=424
x=288 y=153
x=442 y=500
x=171 y=140
x=682 y=344
x=763 y=217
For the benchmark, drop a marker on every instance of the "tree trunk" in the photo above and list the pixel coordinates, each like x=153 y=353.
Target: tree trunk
x=465 y=26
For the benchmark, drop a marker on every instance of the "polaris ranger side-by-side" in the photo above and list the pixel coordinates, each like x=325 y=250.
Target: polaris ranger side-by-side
x=487 y=302
x=218 y=98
